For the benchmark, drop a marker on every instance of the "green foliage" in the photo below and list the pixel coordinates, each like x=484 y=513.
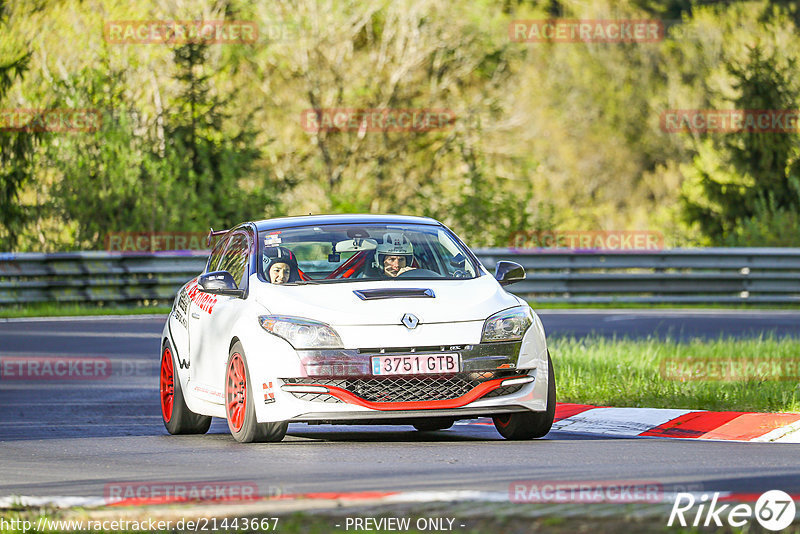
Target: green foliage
x=749 y=177
x=175 y=172
x=491 y=213
x=770 y=225
x=547 y=136
x=218 y=157
x=16 y=151
x=111 y=179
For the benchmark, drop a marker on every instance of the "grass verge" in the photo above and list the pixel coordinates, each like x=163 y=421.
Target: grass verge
x=54 y=309
x=754 y=374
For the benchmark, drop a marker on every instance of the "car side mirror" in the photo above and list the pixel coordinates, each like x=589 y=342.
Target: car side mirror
x=219 y=283
x=508 y=272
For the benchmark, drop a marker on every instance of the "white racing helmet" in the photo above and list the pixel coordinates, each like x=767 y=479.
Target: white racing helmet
x=394 y=244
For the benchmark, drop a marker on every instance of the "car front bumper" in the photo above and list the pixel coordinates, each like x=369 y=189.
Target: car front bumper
x=339 y=385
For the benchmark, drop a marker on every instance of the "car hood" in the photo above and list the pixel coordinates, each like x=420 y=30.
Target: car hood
x=337 y=304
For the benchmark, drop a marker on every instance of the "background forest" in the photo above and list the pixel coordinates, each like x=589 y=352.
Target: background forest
x=548 y=136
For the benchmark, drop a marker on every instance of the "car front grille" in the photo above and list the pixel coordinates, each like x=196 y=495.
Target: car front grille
x=317 y=397
x=505 y=390
x=408 y=388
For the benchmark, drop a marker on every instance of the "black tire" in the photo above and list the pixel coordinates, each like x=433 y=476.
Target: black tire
x=177 y=417
x=529 y=425
x=434 y=423
x=239 y=407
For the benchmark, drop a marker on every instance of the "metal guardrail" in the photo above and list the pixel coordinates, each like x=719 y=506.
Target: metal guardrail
x=96 y=276
x=712 y=275
x=699 y=275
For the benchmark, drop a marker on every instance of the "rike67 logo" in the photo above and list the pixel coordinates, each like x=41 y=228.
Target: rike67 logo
x=774 y=510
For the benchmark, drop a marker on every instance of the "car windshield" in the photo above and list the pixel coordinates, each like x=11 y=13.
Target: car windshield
x=359 y=252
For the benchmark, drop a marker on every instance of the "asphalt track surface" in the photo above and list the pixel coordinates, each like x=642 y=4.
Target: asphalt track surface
x=60 y=438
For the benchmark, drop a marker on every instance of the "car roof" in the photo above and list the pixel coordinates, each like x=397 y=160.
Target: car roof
x=311 y=220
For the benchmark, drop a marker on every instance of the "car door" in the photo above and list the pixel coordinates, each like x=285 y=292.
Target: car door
x=212 y=318
x=179 y=319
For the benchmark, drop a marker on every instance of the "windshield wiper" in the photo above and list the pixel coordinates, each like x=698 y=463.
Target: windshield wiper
x=333 y=281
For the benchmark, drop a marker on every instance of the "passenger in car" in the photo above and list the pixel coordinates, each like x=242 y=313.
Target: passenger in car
x=280 y=265
x=279 y=273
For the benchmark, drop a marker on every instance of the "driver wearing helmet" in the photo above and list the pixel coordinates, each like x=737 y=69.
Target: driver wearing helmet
x=395 y=255
x=280 y=265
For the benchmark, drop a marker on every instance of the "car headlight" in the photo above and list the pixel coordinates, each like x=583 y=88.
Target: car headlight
x=507 y=325
x=301 y=333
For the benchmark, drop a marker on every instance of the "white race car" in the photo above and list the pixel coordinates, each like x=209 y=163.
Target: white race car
x=352 y=319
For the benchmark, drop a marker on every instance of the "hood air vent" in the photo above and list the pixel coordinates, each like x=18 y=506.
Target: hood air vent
x=395 y=293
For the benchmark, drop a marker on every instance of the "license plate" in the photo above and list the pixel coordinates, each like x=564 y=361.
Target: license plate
x=416 y=364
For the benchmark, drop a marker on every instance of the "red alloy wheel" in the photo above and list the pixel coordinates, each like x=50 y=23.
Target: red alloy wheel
x=236 y=392
x=167 y=384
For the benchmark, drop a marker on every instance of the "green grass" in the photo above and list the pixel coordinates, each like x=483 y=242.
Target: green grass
x=624 y=372
x=53 y=309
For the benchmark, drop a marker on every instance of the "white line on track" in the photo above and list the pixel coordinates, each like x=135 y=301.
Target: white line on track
x=65 y=333
x=27 y=353
x=147 y=316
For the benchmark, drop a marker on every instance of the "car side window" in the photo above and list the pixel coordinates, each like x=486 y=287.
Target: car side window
x=216 y=255
x=234 y=260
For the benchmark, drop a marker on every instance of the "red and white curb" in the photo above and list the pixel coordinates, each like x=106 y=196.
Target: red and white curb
x=669 y=423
